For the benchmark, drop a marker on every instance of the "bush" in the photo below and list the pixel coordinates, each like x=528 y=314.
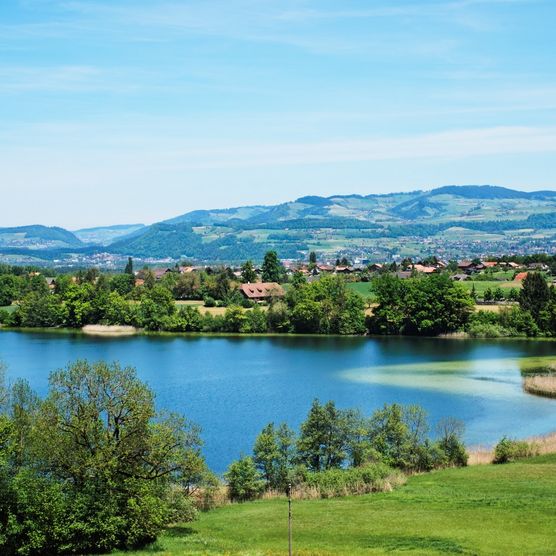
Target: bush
x=244 y=480
x=210 y=302
x=508 y=450
x=343 y=482
x=479 y=330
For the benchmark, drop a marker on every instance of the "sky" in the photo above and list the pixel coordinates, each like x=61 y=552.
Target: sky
x=125 y=111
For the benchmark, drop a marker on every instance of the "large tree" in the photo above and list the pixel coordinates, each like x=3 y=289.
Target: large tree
x=93 y=466
x=248 y=274
x=272 y=269
x=535 y=294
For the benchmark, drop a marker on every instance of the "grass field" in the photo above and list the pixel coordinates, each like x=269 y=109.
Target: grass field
x=9 y=308
x=362 y=288
x=482 y=285
x=485 y=509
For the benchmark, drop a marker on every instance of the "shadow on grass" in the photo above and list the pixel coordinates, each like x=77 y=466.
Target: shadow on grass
x=401 y=543
x=176 y=531
x=180 y=531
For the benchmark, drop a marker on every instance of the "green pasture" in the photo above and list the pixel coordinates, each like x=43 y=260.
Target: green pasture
x=486 y=509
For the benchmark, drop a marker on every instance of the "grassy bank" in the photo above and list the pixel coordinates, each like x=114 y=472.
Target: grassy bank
x=494 y=509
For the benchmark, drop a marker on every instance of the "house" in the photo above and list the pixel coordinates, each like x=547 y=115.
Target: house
x=326 y=268
x=459 y=277
x=424 y=269
x=51 y=282
x=161 y=272
x=262 y=291
x=376 y=267
x=343 y=270
x=470 y=266
x=490 y=264
x=537 y=266
x=403 y=274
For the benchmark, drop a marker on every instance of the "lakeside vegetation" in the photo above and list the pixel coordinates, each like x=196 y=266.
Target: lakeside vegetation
x=483 y=509
x=92 y=467
x=211 y=301
x=540 y=385
x=103 y=469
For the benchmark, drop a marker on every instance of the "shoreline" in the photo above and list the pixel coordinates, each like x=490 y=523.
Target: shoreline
x=98 y=330
x=109 y=330
x=483 y=455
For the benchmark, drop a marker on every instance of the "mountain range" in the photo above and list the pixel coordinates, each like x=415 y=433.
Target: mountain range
x=450 y=221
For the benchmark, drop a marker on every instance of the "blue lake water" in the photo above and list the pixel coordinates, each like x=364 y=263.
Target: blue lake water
x=233 y=386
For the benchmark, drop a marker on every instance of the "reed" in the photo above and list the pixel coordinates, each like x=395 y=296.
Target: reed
x=538 y=445
x=540 y=385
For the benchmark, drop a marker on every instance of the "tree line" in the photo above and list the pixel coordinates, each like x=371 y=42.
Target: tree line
x=425 y=305
x=335 y=446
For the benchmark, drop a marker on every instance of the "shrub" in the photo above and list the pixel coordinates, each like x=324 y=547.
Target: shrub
x=210 y=301
x=508 y=450
x=244 y=480
x=357 y=480
x=480 y=330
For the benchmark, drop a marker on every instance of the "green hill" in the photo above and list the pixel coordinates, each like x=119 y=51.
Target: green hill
x=487 y=509
x=489 y=219
x=451 y=222
x=105 y=235
x=37 y=237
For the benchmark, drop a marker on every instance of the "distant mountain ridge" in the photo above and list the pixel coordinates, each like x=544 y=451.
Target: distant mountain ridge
x=38 y=237
x=447 y=221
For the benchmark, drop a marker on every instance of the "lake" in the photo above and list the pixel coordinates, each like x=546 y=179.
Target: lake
x=233 y=386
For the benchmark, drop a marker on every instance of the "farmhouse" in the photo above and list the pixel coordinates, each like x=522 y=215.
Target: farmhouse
x=262 y=291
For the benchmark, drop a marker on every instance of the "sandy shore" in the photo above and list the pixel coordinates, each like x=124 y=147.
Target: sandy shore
x=102 y=330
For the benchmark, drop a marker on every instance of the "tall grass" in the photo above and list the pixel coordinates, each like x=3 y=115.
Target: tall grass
x=537 y=445
x=540 y=385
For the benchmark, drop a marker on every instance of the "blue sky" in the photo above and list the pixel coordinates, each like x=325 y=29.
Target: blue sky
x=116 y=111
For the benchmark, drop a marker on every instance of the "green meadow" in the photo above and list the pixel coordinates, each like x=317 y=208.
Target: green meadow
x=482 y=285
x=486 y=509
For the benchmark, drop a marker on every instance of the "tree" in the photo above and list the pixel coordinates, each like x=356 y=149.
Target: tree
x=535 y=294
x=322 y=439
x=244 y=480
x=427 y=305
x=156 y=306
x=305 y=317
x=248 y=274
x=278 y=317
x=41 y=311
x=273 y=454
x=312 y=258
x=129 y=266
x=272 y=269
x=187 y=286
x=235 y=319
x=450 y=432
x=9 y=289
x=122 y=283
x=96 y=465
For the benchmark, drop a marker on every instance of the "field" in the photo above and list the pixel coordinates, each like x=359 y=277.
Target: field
x=482 y=285
x=484 y=509
x=9 y=308
x=362 y=288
